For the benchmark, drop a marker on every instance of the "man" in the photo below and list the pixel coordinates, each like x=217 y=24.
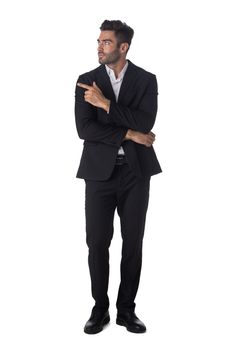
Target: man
x=115 y=110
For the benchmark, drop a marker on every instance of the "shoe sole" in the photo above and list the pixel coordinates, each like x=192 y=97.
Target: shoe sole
x=123 y=323
x=100 y=328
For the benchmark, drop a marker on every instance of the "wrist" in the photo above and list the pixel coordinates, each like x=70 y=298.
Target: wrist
x=106 y=105
x=129 y=135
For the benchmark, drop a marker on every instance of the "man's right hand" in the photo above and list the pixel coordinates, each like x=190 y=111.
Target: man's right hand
x=141 y=138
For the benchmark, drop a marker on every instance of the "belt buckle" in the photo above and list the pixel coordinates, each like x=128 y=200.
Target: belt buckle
x=120 y=159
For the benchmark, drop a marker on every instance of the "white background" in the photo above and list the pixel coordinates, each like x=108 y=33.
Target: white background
x=185 y=295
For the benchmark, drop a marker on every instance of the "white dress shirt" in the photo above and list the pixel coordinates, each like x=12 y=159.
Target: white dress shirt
x=116 y=85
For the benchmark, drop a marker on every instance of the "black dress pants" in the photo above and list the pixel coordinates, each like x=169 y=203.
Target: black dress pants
x=129 y=195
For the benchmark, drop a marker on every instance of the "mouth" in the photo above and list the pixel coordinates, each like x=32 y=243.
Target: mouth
x=100 y=54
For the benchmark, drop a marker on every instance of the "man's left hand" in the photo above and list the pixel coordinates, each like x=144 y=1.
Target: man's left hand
x=94 y=96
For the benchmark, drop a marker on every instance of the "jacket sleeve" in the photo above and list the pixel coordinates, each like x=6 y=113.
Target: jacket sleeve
x=141 y=119
x=88 y=127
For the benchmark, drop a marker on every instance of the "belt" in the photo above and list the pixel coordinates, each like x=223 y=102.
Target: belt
x=121 y=159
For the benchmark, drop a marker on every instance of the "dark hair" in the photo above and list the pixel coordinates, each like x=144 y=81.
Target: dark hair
x=123 y=32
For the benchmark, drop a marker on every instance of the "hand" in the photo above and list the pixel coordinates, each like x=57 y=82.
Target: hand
x=141 y=138
x=94 y=96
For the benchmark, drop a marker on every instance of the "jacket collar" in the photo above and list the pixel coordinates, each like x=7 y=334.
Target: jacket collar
x=126 y=86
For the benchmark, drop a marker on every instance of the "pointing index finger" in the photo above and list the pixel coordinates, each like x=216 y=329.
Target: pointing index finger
x=84 y=86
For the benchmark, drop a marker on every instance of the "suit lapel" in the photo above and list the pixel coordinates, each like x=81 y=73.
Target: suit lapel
x=127 y=83
x=104 y=83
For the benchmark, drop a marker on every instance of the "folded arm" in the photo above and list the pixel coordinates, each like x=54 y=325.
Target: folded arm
x=124 y=123
x=89 y=128
x=141 y=119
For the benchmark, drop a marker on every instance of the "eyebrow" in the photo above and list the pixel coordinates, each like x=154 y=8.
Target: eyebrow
x=98 y=40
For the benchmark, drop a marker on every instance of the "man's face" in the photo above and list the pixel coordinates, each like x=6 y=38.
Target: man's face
x=108 y=51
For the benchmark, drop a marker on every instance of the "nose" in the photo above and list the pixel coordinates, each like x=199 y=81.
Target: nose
x=100 y=45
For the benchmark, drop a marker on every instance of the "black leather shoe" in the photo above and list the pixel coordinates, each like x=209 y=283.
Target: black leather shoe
x=131 y=322
x=96 y=322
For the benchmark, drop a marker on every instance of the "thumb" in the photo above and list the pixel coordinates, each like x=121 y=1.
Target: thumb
x=95 y=85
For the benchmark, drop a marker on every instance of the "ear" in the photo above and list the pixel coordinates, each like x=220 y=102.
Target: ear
x=124 y=47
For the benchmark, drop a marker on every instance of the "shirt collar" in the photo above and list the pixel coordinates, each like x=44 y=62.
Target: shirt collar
x=120 y=76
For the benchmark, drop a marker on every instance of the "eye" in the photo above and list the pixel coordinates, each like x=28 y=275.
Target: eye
x=107 y=43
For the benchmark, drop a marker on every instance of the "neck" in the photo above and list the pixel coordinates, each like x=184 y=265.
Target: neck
x=118 y=66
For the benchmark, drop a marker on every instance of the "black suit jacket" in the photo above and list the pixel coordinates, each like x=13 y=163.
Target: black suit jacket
x=104 y=133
